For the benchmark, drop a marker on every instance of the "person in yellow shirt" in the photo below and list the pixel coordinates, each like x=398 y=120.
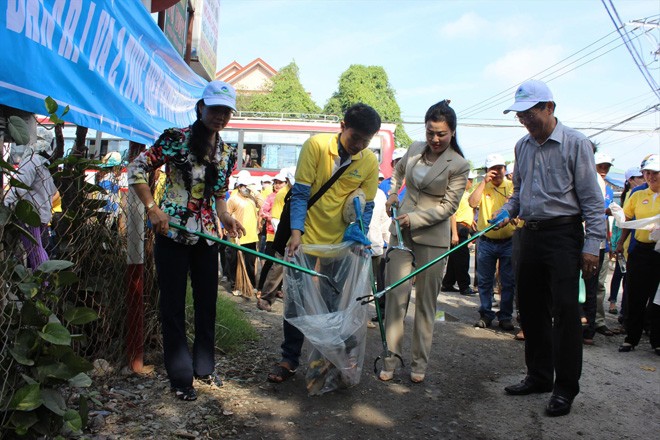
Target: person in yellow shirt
x=642 y=274
x=321 y=156
x=496 y=245
x=243 y=206
x=271 y=275
x=458 y=263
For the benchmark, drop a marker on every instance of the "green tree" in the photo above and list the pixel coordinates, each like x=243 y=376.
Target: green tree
x=286 y=96
x=370 y=85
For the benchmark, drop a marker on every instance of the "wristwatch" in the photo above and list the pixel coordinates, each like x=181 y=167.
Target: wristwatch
x=151 y=205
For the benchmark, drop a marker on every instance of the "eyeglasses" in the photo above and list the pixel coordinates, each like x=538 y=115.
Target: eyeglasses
x=530 y=112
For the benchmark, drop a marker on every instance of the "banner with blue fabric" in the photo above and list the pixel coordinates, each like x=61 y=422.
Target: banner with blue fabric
x=106 y=59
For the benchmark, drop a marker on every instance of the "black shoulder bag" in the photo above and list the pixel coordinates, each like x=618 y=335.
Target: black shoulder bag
x=283 y=232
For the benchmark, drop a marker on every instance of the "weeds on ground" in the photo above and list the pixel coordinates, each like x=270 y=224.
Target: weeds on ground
x=232 y=328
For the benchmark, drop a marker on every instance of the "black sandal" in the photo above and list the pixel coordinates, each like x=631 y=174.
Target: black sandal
x=210 y=379
x=626 y=347
x=280 y=373
x=187 y=394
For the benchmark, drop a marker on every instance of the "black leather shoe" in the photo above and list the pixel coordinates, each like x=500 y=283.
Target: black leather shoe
x=468 y=292
x=449 y=289
x=558 y=406
x=526 y=387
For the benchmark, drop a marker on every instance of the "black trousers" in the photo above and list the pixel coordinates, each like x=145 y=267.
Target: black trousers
x=458 y=264
x=591 y=301
x=547 y=279
x=174 y=261
x=641 y=286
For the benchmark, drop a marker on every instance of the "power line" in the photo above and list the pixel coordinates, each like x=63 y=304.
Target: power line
x=547 y=77
x=510 y=89
x=655 y=107
x=639 y=62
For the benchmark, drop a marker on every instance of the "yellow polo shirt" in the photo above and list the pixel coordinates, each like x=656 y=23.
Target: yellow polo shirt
x=324 y=223
x=492 y=199
x=278 y=206
x=642 y=204
x=245 y=211
x=464 y=213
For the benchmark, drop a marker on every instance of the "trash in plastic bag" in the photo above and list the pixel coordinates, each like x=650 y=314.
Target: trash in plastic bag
x=334 y=324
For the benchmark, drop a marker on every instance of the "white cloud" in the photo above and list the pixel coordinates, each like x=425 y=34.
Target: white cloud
x=520 y=64
x=469 y=24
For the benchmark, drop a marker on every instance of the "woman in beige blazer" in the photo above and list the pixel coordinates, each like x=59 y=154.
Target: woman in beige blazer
x=435 y=173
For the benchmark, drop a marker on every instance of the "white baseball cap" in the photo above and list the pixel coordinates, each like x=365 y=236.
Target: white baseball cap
x=290 y=175
x=494 y=160
x=633 y=172
x=510 y=168
x=219 y=93
x=398 y=153
x=266 y=178
x=472 y=174
x=381 y=175
x=529 y=94
x=280 y=177
x=651 y=163
x=603 y=158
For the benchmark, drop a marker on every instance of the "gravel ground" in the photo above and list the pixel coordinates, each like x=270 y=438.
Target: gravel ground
x=461 y=398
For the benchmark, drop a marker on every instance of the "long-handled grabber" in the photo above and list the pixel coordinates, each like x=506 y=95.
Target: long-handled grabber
x=386 y=352
x=260 y=255
x=399 y=238
x=426 y=266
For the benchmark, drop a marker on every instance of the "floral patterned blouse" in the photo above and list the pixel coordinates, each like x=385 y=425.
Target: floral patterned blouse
x=185 y=206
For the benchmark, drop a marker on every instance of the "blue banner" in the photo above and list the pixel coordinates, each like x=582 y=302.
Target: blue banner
x=106 y=59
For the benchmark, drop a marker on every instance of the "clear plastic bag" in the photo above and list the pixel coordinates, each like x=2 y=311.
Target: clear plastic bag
x=334 y=324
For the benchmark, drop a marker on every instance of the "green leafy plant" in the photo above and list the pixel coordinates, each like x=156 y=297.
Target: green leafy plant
x=42 y=331
x=51 y=108
x=39 y=330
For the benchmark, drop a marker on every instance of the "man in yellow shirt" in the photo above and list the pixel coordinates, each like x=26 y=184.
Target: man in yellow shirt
x=321 y=156
x=489 y=196
x=458 y=264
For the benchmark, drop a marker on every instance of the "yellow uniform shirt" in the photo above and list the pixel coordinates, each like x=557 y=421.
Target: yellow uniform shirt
x=642 y=204
x=245 y=211
x=464 y=213
x=266 y=192
x=324 y=223
x=276 y=209
x=492 y=199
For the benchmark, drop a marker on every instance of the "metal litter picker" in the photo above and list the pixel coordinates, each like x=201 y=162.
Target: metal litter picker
x=386 y=352
x=376 y=295
x=259 y=254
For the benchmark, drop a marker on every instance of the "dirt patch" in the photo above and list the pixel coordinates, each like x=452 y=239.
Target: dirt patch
x=461 y=398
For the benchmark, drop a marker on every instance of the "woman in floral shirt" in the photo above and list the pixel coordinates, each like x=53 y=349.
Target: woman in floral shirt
x=197 y=167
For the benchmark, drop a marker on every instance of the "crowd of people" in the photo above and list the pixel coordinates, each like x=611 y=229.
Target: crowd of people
x=550 y=216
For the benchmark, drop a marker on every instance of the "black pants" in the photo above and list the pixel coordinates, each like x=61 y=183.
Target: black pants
x=270 y=251
x=591 y=301
x=173 y=263
x=458 y=264
x=547 y=279
x=641 y=286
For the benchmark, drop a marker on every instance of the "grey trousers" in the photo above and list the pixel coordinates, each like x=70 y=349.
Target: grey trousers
x=427 y=288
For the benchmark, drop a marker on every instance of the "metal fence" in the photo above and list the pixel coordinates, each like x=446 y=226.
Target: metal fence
x=90 y=231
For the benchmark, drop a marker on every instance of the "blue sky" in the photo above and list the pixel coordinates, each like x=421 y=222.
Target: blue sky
x=469 y=52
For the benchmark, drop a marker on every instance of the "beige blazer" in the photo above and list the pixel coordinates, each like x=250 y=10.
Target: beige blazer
x=432 y=202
